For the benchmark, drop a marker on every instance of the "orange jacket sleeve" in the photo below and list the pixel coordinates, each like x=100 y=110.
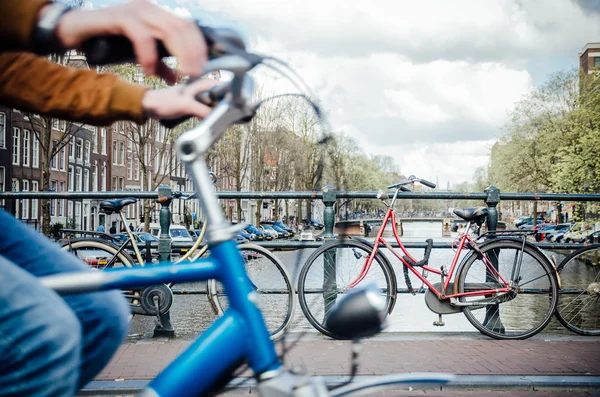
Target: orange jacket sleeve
x=35 y=84
x=18 y=21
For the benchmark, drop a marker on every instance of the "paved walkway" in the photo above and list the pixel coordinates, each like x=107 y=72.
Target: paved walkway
x=144 y=359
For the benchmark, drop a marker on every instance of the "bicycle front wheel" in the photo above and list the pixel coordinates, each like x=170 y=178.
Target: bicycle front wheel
x=520 y=313
x=271 y=280
x=330 y=270
x=578 y=306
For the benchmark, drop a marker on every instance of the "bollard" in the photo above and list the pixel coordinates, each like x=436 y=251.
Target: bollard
x=329 y=267
x=165 y=328
x=493 y=198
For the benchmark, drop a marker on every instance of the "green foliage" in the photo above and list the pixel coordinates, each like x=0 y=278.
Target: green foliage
x=55 y=230
x=552 y=141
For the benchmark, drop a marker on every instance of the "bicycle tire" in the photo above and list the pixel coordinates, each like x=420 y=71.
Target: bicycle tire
x=271 y=281
x=96 y=244
x=526 y=311
x=311 y=294
x=578 y=307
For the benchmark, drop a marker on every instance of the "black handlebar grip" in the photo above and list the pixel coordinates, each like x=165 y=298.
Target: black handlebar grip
x=209 y=98
x=105 y=50
x=427 y=183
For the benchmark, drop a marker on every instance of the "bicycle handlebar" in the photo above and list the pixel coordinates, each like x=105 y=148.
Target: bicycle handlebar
x=106 y=50
x=411 y=179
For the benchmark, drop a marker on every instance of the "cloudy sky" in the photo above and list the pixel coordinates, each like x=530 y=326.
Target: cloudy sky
x=427 y=82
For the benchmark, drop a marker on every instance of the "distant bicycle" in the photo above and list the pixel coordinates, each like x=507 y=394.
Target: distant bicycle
x=270 y=279
x=578 y=307
x=504 y=285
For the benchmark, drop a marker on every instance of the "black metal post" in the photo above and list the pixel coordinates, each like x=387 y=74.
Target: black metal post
x=492 y=313
x=165 y=328
x=329 y=265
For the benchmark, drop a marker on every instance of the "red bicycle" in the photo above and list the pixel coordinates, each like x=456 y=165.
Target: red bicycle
x=505 y=286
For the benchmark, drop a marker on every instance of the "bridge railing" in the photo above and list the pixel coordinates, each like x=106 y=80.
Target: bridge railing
x=491 y=197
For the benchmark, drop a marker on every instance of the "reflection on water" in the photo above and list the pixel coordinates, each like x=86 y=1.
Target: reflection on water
x=192 y=314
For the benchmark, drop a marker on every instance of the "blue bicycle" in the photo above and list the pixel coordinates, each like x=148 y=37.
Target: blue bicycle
x=240 y=335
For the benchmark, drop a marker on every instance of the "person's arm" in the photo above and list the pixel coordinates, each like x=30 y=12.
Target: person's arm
x=141 y=21
x=18 y=20
x=35 y=84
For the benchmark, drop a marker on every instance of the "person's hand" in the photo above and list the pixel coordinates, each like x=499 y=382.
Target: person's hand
x=175 y=102
x=142 y=23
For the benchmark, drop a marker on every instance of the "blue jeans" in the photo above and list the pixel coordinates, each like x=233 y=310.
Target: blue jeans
x=50 y=345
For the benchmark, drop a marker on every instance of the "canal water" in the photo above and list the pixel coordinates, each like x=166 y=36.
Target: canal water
x=191 y=314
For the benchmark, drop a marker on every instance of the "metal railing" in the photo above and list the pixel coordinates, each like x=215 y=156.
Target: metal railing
x=491 y=197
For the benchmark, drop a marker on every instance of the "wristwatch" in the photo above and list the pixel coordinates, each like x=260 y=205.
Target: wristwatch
x=44 y=35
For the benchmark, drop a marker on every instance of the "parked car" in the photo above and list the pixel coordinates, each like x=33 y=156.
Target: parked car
x=239 y=238
x=181 y=240
x=284 y=226
x=140 y=240
x=282 y=233
x=577 y=233
x=260 y=234
x=272 y=232
x=314 y=223
x=559 y=229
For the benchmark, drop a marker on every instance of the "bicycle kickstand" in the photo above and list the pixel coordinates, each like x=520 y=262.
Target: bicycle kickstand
x=439 y=322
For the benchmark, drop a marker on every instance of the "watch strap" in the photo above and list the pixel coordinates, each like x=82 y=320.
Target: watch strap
x=45 y=39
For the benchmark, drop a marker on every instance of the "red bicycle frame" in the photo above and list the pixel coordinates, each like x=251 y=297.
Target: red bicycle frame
x=463 y=239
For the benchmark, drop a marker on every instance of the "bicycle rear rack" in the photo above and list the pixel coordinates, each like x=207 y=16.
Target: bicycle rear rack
x=507 y=233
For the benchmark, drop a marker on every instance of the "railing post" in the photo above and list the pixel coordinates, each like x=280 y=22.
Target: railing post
x=165 y=328
x=329 y=265
x=329 y=198
x=492 y=200
x=492 y=314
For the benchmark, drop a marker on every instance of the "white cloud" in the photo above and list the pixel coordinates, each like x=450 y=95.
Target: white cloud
x=427 y=82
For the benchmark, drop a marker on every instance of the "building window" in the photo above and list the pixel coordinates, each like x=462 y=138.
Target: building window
x=26 y=136
x=25 y=202
x=61 y=161
x=122 y=153
x=79 y=149
x=103 y=138
x=103 y=176
x=121 y=184
x=2 y=130
x=115 y=153
x=130 y=168
x=71 y=148
x=122 y=127
x=35 y=151
x=86 y=180
x=55 y=124
x=2 y=184
x=53 y=202
x=35 y=187
x=69 y=209
x=596 y=62
x=95 y=177
x=86 y=155
x=78 y=179
x=53 y=160
x=137 y=169
x=63 y=126
x=114 y=183
x=95 y=139
x=70 y=178
x=16 y=146
x=61 y=203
